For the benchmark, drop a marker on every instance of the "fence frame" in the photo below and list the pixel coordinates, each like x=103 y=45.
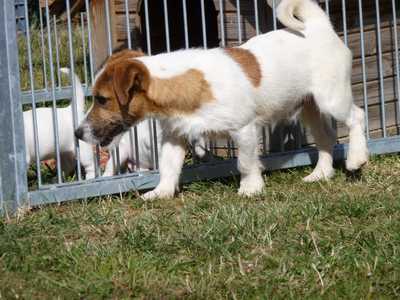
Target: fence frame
x=13 y=172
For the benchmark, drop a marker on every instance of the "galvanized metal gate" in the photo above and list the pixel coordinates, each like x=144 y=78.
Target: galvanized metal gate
x=30 y=78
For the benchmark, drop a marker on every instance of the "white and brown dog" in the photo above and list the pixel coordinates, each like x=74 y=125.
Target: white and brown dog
x=46 y=138
x=195 y=92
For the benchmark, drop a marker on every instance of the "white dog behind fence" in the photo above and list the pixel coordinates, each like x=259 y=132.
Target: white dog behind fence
x=145 y=148
x=128 y=149
x=46 y=138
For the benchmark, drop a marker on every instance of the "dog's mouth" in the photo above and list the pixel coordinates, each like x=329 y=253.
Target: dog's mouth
x=111 y=142
x=107 y=136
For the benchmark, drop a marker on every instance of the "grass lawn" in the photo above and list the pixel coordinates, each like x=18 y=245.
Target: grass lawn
x=338 y=239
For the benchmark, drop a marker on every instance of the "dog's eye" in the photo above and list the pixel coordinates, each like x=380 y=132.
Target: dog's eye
x=101 y=100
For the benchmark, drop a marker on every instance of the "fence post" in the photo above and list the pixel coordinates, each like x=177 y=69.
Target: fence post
x=13 y=179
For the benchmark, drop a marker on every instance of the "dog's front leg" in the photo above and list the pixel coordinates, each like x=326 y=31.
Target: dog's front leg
x=171 y=162
x=249 y=165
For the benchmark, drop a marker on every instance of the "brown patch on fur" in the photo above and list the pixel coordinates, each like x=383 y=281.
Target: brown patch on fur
x=182 y=93
x=248 y=62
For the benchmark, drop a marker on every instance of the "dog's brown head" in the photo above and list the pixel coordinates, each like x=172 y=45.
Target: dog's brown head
x=119 y=99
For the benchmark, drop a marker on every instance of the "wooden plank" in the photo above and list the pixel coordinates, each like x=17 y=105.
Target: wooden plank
x=99 y=31
x=352 y=13
x=231 y=27
x=372 y=67
x=370 y=37
x=42 y=3
x=373 y=91
x=120 y=6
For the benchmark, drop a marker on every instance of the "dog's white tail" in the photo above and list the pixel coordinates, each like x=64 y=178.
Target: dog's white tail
x=80 y=95
x=295 y=13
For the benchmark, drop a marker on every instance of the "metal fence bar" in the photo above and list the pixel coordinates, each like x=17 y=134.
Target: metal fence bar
x=13 y=178
x=42 y=44
x=54 y=104
x=110 y=51
x=85 y=73
x=108 y=27
x=89 y=26
x=397 y=62
x=147 y=22
x=185 y=23
x=74 y=104
x=279 y=126
x=274 y=14
x=153 y=140
x=380 y=63
x=128 y=36
x=364 y=72
x=32 y=92
x=239 y=20
x=56 y=43
x=166 y=25
x=344 y=18
x=327 y=7
x=222 y=22
x=256 y=17
x=127 y=24
x=97 y=170
x=203 y=24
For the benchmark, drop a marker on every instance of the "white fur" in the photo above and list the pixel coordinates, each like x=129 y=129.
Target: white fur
x=294 y=64
x=46 y=139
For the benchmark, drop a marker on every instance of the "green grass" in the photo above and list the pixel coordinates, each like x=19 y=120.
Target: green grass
x=337 y=239
x=39 y=65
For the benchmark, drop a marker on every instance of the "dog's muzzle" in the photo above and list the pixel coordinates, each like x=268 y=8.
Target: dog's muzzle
x=79 y=133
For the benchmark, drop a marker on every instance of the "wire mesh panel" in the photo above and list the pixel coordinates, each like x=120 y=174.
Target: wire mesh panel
x=80 y=35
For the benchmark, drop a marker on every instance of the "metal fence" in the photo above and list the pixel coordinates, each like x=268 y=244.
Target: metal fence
x=65 y=36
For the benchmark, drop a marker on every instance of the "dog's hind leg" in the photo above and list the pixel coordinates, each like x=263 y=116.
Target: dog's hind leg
x=339 y=104
x=321 y=129
x=249 y=164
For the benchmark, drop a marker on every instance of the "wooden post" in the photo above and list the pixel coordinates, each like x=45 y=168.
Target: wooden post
x=99 y=30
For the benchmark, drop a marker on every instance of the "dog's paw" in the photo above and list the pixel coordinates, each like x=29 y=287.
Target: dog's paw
x=90 y=175
x=158 y=194
x=251 y=186
x=320 y=174
x=356 y=161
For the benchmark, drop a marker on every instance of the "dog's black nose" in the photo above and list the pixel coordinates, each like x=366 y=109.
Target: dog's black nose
x=79 y=133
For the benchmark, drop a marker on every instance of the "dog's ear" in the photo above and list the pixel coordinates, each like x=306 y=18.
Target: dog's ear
x=129 y=78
